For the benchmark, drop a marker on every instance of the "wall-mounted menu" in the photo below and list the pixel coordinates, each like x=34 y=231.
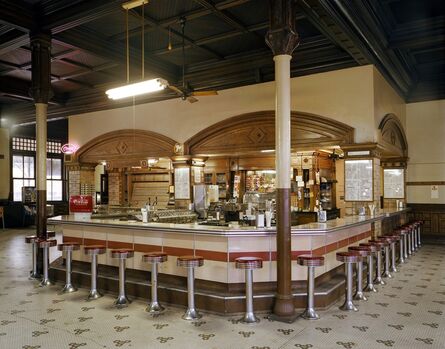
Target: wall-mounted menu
x=358 y=180
x=182 y=183
x=393 y=183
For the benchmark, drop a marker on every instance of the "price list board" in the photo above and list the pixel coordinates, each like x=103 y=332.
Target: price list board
x=358 y=180
x=182 y=183
x=394 y=183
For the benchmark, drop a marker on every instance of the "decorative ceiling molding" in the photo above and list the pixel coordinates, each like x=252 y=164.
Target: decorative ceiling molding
x=253 y=132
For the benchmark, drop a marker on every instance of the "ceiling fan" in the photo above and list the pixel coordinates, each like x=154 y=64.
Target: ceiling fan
x=185 y=92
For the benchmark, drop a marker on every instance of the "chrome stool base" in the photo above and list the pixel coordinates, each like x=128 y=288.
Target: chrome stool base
x=249 y=318
x=94 y=294
x=310 y=314
x=191 y=314
x=68 y=289
x=154 y=308
x=121 y=302
x=348 y=306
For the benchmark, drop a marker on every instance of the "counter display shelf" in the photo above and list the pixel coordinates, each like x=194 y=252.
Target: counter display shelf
x=218 y=281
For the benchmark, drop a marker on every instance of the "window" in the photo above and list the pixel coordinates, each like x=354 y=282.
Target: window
x=22 y=174
x=54 y=191
x=29 y=144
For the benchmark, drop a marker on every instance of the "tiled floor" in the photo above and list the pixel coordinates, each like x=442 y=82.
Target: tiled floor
x=406 y=313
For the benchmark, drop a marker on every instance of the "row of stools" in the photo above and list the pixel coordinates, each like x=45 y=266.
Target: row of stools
x=408 y=237
x=154 y=258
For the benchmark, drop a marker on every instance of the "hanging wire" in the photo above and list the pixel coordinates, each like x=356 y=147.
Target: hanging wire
x=128 y=47
x=143 y=40
x=169 y=47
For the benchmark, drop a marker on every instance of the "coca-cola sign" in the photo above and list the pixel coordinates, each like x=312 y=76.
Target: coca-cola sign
x=69 y=148
x=81 y=203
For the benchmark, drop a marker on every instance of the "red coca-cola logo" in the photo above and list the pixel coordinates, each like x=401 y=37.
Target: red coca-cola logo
x=81 y=203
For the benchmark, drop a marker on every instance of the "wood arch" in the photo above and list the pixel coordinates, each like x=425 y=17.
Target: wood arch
x=256 y=131
x=129 y=146
x=392 y=138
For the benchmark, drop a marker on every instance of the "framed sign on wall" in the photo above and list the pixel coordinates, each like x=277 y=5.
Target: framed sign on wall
x=182 y=183
x=359 y=182
x=394 y=183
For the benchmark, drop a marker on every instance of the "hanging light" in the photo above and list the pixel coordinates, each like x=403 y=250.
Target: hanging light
x=137 y=89
x=142 y=87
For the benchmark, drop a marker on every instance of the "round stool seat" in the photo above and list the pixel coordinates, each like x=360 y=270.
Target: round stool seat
x=349 y=257
x=122 y=253
x=396 y=236
x=310 y=260
x=190 y=261
x=46 y=243
x=155 y=257
x=69 y=246
x=31 y=238
x=372 y=247
x=94 y=249
x=388 y=239
x=362 y=250
x=51 y=234
x=378 y=243
x=248 y=263
x=401 y=231
x=393 y=237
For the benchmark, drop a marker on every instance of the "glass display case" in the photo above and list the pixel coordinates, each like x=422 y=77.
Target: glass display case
x=260 y=181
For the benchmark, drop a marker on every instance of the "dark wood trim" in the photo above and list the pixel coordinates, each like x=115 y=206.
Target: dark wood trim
x=426 y=183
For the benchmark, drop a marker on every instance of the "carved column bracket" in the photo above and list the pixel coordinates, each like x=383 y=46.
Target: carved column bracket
x=41 y=67
x=282 y=36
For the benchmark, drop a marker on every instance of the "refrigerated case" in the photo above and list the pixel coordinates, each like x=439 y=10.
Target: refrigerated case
x=327 y=195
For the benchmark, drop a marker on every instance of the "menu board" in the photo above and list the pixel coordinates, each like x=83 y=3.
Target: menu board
x=358 y=180
x=182 y=183
x=393 y=183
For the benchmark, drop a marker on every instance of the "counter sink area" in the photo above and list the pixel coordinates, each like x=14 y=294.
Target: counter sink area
x=219 y=284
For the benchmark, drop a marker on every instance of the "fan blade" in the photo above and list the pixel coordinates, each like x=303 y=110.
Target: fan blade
x=204 y=93
x=192 y=99
x=175 y=89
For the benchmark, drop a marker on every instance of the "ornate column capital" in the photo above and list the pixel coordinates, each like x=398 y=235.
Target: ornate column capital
x=41 y=67
x=282 y=36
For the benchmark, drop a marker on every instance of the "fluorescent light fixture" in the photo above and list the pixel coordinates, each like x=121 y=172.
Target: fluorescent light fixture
x=137 y=89
x=134 y=3
x=268 y=151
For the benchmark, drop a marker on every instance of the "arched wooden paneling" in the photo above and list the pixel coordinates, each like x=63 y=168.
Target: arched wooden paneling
x=126 y=145
x=256 y=131
x=392 y=137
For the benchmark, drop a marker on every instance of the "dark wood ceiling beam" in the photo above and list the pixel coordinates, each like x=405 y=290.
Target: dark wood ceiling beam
x=230 y=20
x=12 y=41
x=82 y=39
x=17 y=14
x=78 y=13
x=212 y=39
x=153 y=23
x=20 y=89
x=165 y=23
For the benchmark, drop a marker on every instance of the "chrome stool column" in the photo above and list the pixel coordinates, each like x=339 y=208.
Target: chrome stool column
x=394 y=239
x=410 y=240
x=68 y=248
x=416 y=233
x=45 y=245
x=310 y=261
x=413 y=237
x=122 y=300
x=378 y=274
x=405 y=243
x=32 y=239
x=387 y=249
x=190 y=262
x=364 y=252
x=154 y=258
x=249 y=264
x=349 y=258
x=373 y=248
x=401 y=232
x=94 y=251
x=419 y=233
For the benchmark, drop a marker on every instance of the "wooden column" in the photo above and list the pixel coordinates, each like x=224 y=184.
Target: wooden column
x=40 y=91
x=282 y=38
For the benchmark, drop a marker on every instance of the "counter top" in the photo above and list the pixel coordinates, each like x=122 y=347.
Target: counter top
x=195 y=228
